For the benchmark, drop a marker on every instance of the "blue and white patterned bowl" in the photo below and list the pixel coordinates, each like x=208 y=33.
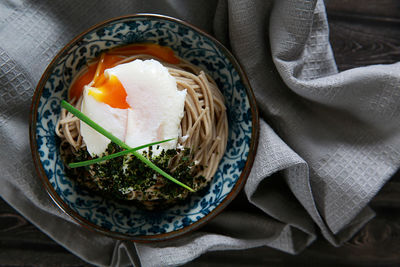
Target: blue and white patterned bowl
x=124 y=221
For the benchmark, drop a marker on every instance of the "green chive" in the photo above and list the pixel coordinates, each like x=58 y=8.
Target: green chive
x=115 y=155
x=117 y=141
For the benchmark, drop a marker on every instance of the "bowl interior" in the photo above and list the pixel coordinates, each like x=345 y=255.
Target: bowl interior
x=121 y=220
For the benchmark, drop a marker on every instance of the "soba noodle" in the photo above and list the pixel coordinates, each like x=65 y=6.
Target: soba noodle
x=204 y=129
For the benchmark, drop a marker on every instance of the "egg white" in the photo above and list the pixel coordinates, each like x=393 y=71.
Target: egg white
x=156 y=108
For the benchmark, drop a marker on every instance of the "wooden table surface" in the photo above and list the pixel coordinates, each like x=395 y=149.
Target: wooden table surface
x=362 y=32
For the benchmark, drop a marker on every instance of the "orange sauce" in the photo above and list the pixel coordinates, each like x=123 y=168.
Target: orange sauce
x=75 y=91
x=109 y=90
x=162 y=52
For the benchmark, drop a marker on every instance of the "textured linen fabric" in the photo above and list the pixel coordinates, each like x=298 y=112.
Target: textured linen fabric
x=328 y=142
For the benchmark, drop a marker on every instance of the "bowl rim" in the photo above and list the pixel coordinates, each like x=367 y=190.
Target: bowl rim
x=143 y=238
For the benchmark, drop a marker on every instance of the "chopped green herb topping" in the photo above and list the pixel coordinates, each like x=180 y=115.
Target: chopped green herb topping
x=120 y=176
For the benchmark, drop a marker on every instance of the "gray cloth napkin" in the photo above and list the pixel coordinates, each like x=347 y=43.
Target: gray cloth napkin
x=329 y=140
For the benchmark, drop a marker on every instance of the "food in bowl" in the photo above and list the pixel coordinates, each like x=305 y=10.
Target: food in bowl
x=122 y=219
x=144 y=93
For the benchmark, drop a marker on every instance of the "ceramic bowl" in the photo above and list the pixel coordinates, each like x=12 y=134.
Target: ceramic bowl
x=127 y=221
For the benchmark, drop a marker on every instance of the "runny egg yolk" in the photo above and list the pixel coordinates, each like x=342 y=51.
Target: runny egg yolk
x=109 y=90
x=107 y=62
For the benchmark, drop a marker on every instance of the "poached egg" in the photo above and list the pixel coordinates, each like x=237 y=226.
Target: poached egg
x=138 y=102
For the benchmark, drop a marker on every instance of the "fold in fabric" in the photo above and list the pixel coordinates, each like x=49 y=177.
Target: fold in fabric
x=329 y=140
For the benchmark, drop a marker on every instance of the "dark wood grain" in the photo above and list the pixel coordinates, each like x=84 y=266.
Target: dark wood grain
x=362 y=33
x=354 y=46
x=385 y=9
x=22 y=244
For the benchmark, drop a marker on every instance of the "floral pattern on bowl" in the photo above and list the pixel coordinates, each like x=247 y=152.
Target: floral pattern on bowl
x=120 y=220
